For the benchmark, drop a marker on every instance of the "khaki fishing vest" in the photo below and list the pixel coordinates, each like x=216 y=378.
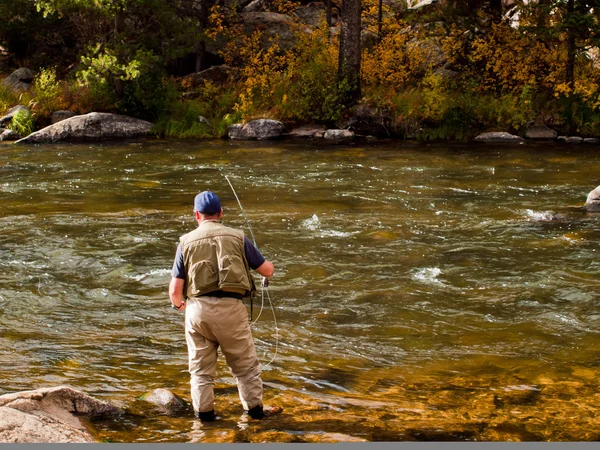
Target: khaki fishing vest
x=214 y=259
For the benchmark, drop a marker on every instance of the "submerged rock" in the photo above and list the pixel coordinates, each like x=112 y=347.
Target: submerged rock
x=498 y=136
x=165 y=400
x=593 y=200
x=257 y=129
x=90 y=127
x=49 y=415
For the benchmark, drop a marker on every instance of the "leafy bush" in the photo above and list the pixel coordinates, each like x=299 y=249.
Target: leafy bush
x=22 y=123
x=47 y=91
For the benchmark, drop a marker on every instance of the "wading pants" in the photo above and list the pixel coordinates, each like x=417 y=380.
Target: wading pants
x=211 y=322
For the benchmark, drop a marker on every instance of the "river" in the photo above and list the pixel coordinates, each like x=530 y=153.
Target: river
x=422 y=291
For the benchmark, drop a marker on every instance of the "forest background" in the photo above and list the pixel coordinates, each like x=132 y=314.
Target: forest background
x=439 y=70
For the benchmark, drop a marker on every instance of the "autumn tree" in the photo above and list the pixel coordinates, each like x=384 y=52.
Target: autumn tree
x=350 y=49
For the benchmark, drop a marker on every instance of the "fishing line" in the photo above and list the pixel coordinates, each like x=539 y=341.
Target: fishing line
x=263 y=289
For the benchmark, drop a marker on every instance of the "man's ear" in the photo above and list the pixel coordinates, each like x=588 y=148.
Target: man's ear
x=197 y=215
x=221 y=213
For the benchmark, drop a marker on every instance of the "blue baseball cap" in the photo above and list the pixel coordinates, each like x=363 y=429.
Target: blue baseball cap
x=207 y=203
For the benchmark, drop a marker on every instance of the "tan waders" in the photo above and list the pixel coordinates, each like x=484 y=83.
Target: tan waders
x=210 y=323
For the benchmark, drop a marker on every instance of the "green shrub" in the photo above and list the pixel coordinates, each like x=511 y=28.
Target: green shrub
x=22 y=123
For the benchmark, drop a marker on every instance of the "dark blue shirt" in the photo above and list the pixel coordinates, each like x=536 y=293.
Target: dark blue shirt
x=253 y=256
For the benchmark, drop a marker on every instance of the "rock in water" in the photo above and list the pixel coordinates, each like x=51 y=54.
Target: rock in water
x=338 y=135
x=167 y=401
x=90 y=127
x=257 y=129
x=49 y=415
x=499 y=136
x=593 y=200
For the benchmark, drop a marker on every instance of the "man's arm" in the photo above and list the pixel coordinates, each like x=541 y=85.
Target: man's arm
x=257 y=261
x=176 y=292
x=266 y=269
x=177 y=281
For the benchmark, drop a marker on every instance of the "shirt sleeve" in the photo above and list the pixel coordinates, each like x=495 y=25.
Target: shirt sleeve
x=178 y=266
x=253 y=256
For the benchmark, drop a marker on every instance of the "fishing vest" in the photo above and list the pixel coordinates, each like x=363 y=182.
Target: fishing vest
x=214 y=259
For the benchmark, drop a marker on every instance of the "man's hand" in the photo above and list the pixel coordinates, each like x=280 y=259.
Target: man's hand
x=181 y=307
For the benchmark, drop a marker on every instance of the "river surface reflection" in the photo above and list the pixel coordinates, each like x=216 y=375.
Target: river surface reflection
x=422 y=291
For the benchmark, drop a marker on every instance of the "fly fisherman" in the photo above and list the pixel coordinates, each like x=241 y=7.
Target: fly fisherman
x=212 y=273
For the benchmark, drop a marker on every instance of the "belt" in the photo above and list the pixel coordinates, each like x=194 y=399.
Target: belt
x=222 y=294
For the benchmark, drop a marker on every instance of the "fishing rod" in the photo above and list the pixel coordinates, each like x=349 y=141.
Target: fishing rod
x=264 y=283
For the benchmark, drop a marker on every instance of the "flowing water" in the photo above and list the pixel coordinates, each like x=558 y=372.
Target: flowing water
x=422 y=292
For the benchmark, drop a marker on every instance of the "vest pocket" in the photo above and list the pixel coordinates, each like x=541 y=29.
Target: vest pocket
x=232 y=272
x=204 y=277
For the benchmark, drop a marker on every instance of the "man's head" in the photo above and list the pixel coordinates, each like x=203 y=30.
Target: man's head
x=207 y=204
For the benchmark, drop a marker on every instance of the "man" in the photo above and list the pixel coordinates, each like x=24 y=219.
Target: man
x=212 y=271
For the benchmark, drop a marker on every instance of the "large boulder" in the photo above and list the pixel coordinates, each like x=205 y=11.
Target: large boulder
x=49 y=415
x=593 y=200
x=257 y=129
x=313 y=14
x=20 y=80
x=499 y=136
x=275 y=27
x=12 y=112
x=90 y=127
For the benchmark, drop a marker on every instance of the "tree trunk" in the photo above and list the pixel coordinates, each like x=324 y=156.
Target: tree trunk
x=202 y=24
x=350 y=49
x=119 y=28
x=571 y=45
x=379 y=20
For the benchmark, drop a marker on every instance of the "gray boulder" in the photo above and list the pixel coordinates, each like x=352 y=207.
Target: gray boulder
x=90 y=127
x=313 y=14
x=570 y=139
x=540 y=132
x=308 y=131
x=338 y=135
x=593 y=200
x=20 y=80
x=591 y=141
x=9 y=135
x=499 y=136
x=63 y=114
x=49 y=415
x=257 y=129
x=5 y=120
x=166 y=401
x=274 y=26
x=256 y=6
